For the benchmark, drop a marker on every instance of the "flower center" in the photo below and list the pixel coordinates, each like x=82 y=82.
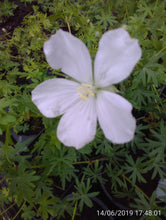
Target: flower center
x=85 y=91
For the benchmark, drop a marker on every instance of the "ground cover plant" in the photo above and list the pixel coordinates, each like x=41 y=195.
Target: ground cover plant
x=40 y=178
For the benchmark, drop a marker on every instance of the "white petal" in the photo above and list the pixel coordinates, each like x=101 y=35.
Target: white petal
x=161 y=194
x=54 y=96
x=68 y=53
x=116 y=57
x=115 y=118
x=77 y=126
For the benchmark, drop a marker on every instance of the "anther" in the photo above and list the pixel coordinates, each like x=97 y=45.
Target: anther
x=85 y=91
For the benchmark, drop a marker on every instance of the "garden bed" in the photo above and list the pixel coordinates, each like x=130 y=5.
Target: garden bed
x=40 y=178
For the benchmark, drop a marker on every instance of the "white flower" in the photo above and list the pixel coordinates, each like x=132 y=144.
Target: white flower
x=89 y=97
x=160 y=190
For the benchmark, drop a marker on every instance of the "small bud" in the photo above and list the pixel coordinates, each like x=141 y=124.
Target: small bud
x=4 y=30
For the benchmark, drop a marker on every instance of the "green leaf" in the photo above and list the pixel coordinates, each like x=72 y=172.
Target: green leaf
x=46 y=206
x=28 y=213
x=83 y=195
x=136 y=168
x=22 y=185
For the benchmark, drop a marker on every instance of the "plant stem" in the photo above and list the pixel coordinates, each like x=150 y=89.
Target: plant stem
x=19 y=211
x=7 y=208
x=164 y=48
x=76 y=204
x=68 y=25
x=90 y=161
x=125 y=177
x=75 y=208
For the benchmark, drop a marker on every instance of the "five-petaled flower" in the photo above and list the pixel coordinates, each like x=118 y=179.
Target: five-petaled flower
x=89 y=97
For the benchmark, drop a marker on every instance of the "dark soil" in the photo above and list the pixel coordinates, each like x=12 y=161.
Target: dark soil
x=14 y=21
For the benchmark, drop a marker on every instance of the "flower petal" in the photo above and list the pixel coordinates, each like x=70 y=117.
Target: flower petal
x=160 y=190
x=77 y=126
x=115 y=118
x=116 y=57
x=68 y=53
x=54 y=96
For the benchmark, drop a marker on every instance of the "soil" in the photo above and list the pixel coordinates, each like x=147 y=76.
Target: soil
x=15 y=21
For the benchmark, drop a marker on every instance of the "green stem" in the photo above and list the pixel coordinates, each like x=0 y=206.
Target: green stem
x=164 y=48
x=68 y=25
x=93 y=161
x=7 y=209
x=126 y=10
x=155 y=90
x=76 y=204
x=139 y=189
x=38 y=166
x=75 y=208
x=154 y=10
x=19 y=211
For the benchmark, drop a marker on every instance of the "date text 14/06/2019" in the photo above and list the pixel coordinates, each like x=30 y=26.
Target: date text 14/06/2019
x=131 y=212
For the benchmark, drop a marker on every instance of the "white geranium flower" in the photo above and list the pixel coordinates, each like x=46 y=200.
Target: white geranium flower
x=89 y=97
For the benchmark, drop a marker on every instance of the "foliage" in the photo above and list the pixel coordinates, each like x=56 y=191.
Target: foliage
x=6 y=10
x=40 y=175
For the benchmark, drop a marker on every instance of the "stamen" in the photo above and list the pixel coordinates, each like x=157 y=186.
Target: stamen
x=85 y=91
